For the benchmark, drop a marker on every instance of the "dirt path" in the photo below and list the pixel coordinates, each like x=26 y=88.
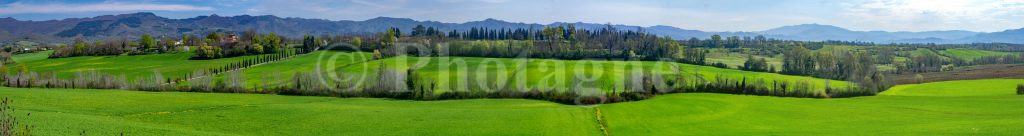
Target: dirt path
x=601 y=124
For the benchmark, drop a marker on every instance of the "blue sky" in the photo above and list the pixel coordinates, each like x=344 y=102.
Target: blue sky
x=708 y=15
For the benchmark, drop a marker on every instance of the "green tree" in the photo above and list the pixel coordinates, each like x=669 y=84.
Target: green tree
x=271 y=43
x=357 y=43
x=185 y=41
x=213 y=36
x=797 y=61
x=22 y=68
x=716 y=41
x=208 y=52
x=256 y=48
x=147 y=41
x=554 y=36
x=79 y=47
x=377 y=55
x=3 y=71
x=754 y=64
x=389 y=38
x=419 y=30
x=309 y=44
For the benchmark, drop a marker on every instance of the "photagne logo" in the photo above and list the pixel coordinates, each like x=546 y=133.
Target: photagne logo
x=425 y=71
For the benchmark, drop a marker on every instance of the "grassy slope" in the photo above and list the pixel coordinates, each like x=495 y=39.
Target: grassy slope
x=735 y=59
x=987 y=87
x=106 y=112
x=924 y=51
x=558 y=74
x=718 y=114
x=282 y=71
x=960 y=113
x=133 y=67
x=109 y=112
x=971 y=54
x=540 y=73
x=35 y=56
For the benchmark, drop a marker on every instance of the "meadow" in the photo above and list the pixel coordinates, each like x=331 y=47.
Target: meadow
x=111 y=112
x=543 y=74
x=282 y=71
x=971 y=54
x=718 y=114
x=169 y=65
x=549 y=74
x=969 y=107
x=984 y=87
x=736 y=59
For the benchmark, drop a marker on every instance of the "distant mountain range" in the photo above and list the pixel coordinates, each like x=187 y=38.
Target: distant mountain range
x=133 y=25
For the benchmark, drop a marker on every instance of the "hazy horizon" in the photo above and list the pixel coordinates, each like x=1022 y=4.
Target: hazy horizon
x=858 y=15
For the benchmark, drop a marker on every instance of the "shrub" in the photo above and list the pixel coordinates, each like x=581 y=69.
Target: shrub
x=208 y=52
x=1020 y=89
x=918 y=78
x=719 y=65
x=758 y=65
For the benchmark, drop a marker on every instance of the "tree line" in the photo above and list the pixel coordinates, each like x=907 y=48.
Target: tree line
x=854 y=66
x=561 y=42
x=146 y=44
x=218 y=45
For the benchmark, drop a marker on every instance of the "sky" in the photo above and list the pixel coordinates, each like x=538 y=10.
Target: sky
x=706 y=15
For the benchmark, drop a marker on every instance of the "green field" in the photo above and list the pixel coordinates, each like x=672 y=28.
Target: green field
x=971 y=54
x=282 y=71
x=736 y=59
x=925 y=51
x=110 y=112
x=838 y=48
x=719 y=114
x=550 y=74
x=132 y=67
x=989 y=87
x=542 y=74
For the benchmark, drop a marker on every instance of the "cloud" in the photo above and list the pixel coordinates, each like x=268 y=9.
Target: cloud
x=484 y=1
x=21 y=8
x=929 y=14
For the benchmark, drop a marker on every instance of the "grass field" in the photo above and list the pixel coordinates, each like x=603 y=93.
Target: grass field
x=925 y=51
x=718 y=114
x=282 y=71
x=971 y=54
x=543 y=74
x=970 y=107
x=558 y=74
x=110 y=112
x=132 y=67
x=736 y=59
x=987 y=87
x=838 y=48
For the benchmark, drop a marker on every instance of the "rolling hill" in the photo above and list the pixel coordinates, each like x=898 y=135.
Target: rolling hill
x=112 y=112
x=132 y=25
x=817 y=32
